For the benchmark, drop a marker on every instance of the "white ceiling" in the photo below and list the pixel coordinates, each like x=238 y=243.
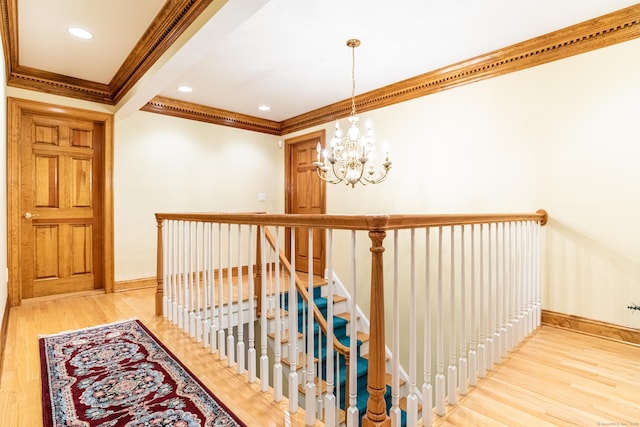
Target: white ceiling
x=288 y=54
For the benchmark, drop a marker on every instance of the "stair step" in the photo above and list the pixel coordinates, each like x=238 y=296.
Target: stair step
x=302 y=361
x=284 y=339
x=346 y=316
x=302 y=389
x=389 y=378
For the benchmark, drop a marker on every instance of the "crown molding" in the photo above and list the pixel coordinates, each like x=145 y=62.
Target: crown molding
x=607 y=30
x=175 y=17
x=191 y=111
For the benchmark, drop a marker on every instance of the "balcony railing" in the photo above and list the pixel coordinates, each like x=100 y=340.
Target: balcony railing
x=464 y=290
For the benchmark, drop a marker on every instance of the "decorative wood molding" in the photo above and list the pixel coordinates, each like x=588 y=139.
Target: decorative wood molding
x=597 y=33
x=170 y=23
x=187 y=110
x=172 y=20
x=177 y=15
x=591 y=327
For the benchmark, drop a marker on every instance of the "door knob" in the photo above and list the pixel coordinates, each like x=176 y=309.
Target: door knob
x=29 y=215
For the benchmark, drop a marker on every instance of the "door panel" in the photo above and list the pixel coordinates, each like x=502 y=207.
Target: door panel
x=58 y=167
x=306 y=195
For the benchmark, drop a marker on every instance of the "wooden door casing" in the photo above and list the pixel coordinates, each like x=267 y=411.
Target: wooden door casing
x=305 y=195
x=60 y=172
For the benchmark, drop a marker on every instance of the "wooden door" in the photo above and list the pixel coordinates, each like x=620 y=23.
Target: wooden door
x=60 y=205
x=306 y=195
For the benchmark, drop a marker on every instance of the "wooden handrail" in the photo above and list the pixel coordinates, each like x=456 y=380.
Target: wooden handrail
x=354 y=222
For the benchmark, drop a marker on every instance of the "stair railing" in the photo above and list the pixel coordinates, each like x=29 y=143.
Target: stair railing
x=498 y=253
x=325 y=325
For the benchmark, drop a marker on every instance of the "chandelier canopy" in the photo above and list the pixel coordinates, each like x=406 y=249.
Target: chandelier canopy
x=349 y=159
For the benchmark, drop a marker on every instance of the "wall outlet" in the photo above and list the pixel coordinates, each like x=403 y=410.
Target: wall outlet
x=262 y=197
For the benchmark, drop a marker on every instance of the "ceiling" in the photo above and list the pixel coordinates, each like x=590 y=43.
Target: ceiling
x=288 y=54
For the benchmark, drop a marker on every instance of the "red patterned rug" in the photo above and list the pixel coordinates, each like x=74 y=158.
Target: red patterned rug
x=121 y=375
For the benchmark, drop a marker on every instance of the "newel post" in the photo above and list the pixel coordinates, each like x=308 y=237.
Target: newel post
x=159 y=270
x=376 y=406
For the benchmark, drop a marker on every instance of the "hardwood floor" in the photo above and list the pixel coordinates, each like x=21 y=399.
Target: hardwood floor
x=555 y=378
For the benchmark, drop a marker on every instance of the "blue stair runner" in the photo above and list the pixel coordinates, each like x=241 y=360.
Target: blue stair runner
x=340 y=331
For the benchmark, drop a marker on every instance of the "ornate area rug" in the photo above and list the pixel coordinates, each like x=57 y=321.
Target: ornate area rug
x=121 y=375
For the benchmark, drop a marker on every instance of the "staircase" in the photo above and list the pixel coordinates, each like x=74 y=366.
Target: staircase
x=341 y=320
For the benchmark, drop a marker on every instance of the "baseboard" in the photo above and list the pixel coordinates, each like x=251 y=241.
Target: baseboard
x=132 y=285
x=3 y=333
x=591 y=327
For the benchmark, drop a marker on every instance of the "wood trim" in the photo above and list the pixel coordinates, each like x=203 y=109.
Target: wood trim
x=15 y=107
x=3 y=333
x=191 y=111
x=177 y=15
x=134 y=284
x=591 y=327
x=607 y=30
x=171 y=22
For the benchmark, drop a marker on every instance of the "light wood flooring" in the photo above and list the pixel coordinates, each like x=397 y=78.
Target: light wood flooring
x=555 y=378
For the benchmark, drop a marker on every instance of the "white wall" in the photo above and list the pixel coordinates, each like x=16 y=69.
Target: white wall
x=562 y=137
x=165 y=164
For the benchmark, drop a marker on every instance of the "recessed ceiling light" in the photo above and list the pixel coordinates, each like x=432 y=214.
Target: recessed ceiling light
x=80 y=33
x=264 y=108
x=185 y=89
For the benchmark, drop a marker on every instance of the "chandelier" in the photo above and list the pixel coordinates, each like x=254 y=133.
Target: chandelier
x=349 y=159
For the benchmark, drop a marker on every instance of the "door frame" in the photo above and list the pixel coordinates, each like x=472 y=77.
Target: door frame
x=15 y=108
x=319 y=135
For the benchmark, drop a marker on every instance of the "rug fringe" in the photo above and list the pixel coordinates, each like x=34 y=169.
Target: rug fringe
x=117 y=322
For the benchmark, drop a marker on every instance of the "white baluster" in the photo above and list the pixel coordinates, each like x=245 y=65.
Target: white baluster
x=293 y=329
x=206 y=327
x=191 y=282
x=264 y=358
x=310 y=387
x=489 y=359
x=277 y=365
x=185 y=278
x=176 y=272
x=251 y=353
x=462 y=361
x=440 y=378
x=240 y=352
x=412 y=398
x=427 y=389
x=231 y=359
x=481 y=361
x=497 y=339
x=222 y=353
x=394 y=412
x=198 y=282
x=213 y=332
x=473 y=356
x=353 y=415
x=504 y=343
x=329 y=398
x=452 y=369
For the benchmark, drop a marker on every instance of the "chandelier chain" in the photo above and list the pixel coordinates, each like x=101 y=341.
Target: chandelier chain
x=353 y=80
